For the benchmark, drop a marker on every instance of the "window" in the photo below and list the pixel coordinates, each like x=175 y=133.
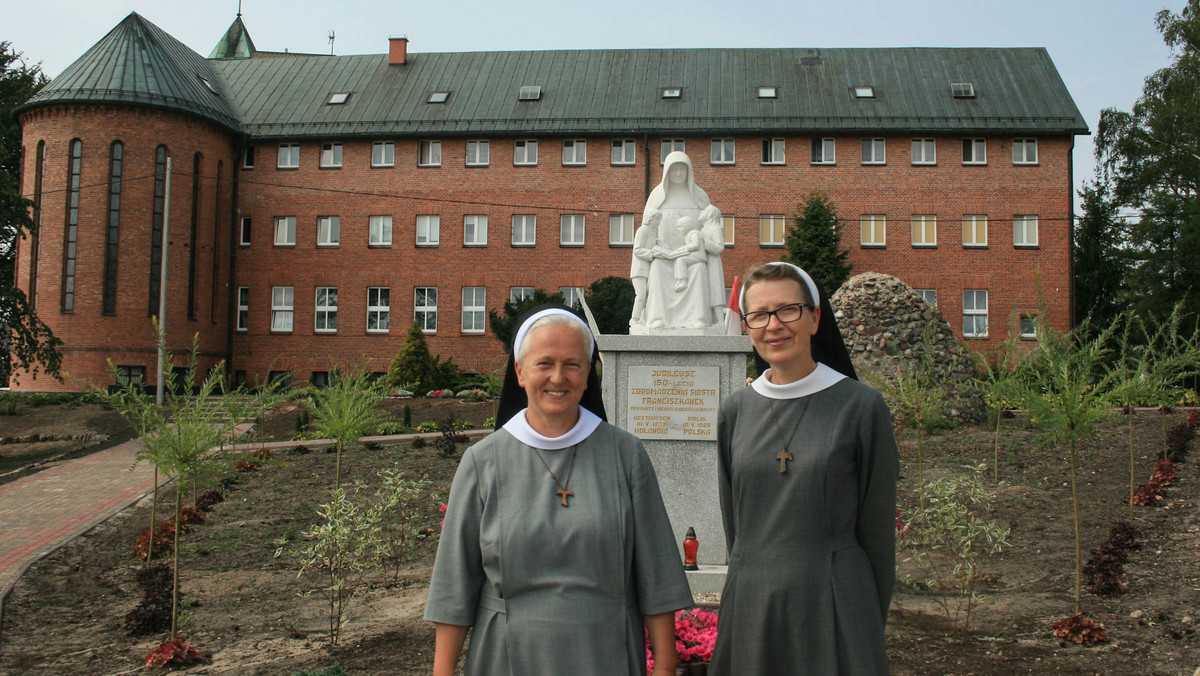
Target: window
x=319 y=379
x=281 y=379
x=478 y=153
x=282 y=306
x=248 y=156
x=529 y=93
x=924 y=151
x=329 y=230
x=71 y=234
x=289 y=156
x=429 y=230
x=571 y=230
x=525 y=153
x=156 y=228
x=766 y=92
x=727 y=222
x=326 y=310
x=974 y=230
x=1025 y=231
x=874 y=229
x=924 y=230
x=1025 y=151
x=131 y=376
x=962 y=90
x=380 y=231
x=873 y=151
x=113 y=229
x=624 y=151
x=672 y=92
x=379 y=309
x=331 y=155
x=864 y=92
x=474 y=301
x=425 y=308
x=1028 y=327
x=438 y=97
x=338 y=98
x=928 y=295
x=429 y=154
x=243 y=309
x=668 y=146
x=772 y=151
x=516 y=294
x=620 y=230
x=383 y=154
x=574 y=152
x=285 y=231
x=524 y=230
x=770 y=230
x=823 y=151
x=722 y=151
x=974 y=151
x=572 y=295
x=475 y=230
x=244 y=231
x=975 y=313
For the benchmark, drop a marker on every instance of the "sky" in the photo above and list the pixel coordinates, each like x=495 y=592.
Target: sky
x=1104 y=49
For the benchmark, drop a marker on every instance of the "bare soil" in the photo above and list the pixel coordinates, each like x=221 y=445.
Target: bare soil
x=243 y=610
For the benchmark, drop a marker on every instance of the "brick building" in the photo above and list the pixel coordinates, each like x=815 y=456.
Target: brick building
x=320 y=204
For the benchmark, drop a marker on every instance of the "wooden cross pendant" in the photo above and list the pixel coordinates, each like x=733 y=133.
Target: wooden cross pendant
x=564 y=493
x=783 y=456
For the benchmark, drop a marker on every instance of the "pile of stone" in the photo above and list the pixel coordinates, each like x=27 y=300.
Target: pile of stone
x=888 y=327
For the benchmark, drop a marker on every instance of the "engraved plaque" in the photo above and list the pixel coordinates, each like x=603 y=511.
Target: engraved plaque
x=672 y=402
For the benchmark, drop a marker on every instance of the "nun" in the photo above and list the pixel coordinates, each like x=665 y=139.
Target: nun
x=556 y=554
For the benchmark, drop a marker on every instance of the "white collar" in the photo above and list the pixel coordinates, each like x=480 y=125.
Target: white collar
x=518 y=426
x=821 y=378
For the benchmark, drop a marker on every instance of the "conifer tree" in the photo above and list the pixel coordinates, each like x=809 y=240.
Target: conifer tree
x=412 y=368
x=814 y=242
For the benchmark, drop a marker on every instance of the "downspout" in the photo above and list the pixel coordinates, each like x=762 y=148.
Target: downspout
x=646 y=153
x=1071 y=233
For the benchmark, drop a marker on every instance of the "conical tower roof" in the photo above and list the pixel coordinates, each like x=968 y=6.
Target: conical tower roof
x=138 y=63
x=236 y=44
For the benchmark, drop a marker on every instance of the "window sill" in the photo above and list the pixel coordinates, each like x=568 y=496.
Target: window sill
x=872 y=246
x=429 y=166
x=383 y=166
x=285 y=246
x=924 y=246
x=1028 y=247
x=379 y=246
x=566 y=245
x=523 y=246
x=975 y=246
x=475 y=246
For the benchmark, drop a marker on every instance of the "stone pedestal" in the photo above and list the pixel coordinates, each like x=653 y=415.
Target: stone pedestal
x=666 y=381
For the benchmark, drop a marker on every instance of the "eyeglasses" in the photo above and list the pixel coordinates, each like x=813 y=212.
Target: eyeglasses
x=785 y=314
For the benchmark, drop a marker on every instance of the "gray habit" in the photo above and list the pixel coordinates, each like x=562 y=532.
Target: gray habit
x=811 y=551
x=552 y=589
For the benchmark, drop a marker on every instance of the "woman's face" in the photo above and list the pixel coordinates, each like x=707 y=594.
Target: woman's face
x=677 y=173
x=782 y=345
x=554 y=374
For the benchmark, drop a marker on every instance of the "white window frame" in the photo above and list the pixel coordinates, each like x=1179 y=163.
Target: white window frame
x=728 y=226
x=244 y=231
x=522 y=225
x=474 y=309
x=383 y=154
x=972 y=224
x=475 y=230
x=624 y=152
x=325 y=309
x=429 y=154
x=572 y=295
x=429 y=230
x=767 y=92
x=285 y=231
x=924 y=151
x=774 y=151
x=974 y=151
x=928 y=295
x=331 y=156
x=774 y=226
x=668 y=146
x=289 y=156
x=872 y=230
x=525 y=152
x=1025 y=231
x=243 y=309
x=874 y=151
x=1025 y=151
x=479 y=153
x=379 y=230
x=379 y=309
x=722 y=151
x=283 y=308
x=574 y=152
x=571 y=230
x=924 y=230
x=620 y=229
x=516 y=294
x=975 y=312
x=824 y=150
x=425 y=308
x=329 y=230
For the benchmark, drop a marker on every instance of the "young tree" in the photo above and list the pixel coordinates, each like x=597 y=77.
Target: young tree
x=611 y=302
x=345 y=411
x=814 y=242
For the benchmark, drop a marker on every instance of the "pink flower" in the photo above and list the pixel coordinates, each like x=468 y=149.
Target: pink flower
x=442 y=508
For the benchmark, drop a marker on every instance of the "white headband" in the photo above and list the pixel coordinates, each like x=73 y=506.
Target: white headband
x=808 y=281
x=521 y=332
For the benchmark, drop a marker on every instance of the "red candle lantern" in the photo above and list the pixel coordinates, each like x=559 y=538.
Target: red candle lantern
x=690 y=546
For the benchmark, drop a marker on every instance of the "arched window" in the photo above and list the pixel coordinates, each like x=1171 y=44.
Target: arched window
x=191 y=287
x=71 y=233
x=39 y=173
x=156 y=226
x=113 y=230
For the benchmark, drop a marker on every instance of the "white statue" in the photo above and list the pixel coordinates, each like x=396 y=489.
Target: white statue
x=676 y=268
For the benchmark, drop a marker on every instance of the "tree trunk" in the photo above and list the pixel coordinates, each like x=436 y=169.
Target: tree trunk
x=1078 y=549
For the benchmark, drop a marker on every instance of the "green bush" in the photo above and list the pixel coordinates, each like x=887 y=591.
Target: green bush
x=427 y=426
x=392 y=427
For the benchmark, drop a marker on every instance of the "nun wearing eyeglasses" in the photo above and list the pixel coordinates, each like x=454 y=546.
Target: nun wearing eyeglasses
x=807 y=468
x=556 y=550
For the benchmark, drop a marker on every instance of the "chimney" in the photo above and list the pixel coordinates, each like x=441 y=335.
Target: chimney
x=397 y=51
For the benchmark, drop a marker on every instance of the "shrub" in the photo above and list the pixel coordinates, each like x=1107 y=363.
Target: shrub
x=490 y=422
x=1079 y=629
x=153 y=613
x=451 y=437
x=427 y=426
x=209 y=499
x=406 y=416
x=175 y=651
x=390 y=428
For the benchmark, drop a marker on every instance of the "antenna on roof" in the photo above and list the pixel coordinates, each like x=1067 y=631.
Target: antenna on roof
x=331 y=37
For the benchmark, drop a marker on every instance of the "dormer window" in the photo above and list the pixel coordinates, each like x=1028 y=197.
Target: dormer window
x=672 y=92
x=338 y=98
x=962 y=90
x=530 y=93
x=211 y=89
x=864 y=92
x=438 y=97
x=766 y=92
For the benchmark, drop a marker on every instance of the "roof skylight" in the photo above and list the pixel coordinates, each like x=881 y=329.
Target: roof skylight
x=530 y=93
x=864 y=92
x=438 y=97
x=338 y=98
x=962 y=90
x=672 y=92
x=766 y=92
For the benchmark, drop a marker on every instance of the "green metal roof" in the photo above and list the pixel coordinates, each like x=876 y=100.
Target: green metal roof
x=235 y=44
x=138 y=63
